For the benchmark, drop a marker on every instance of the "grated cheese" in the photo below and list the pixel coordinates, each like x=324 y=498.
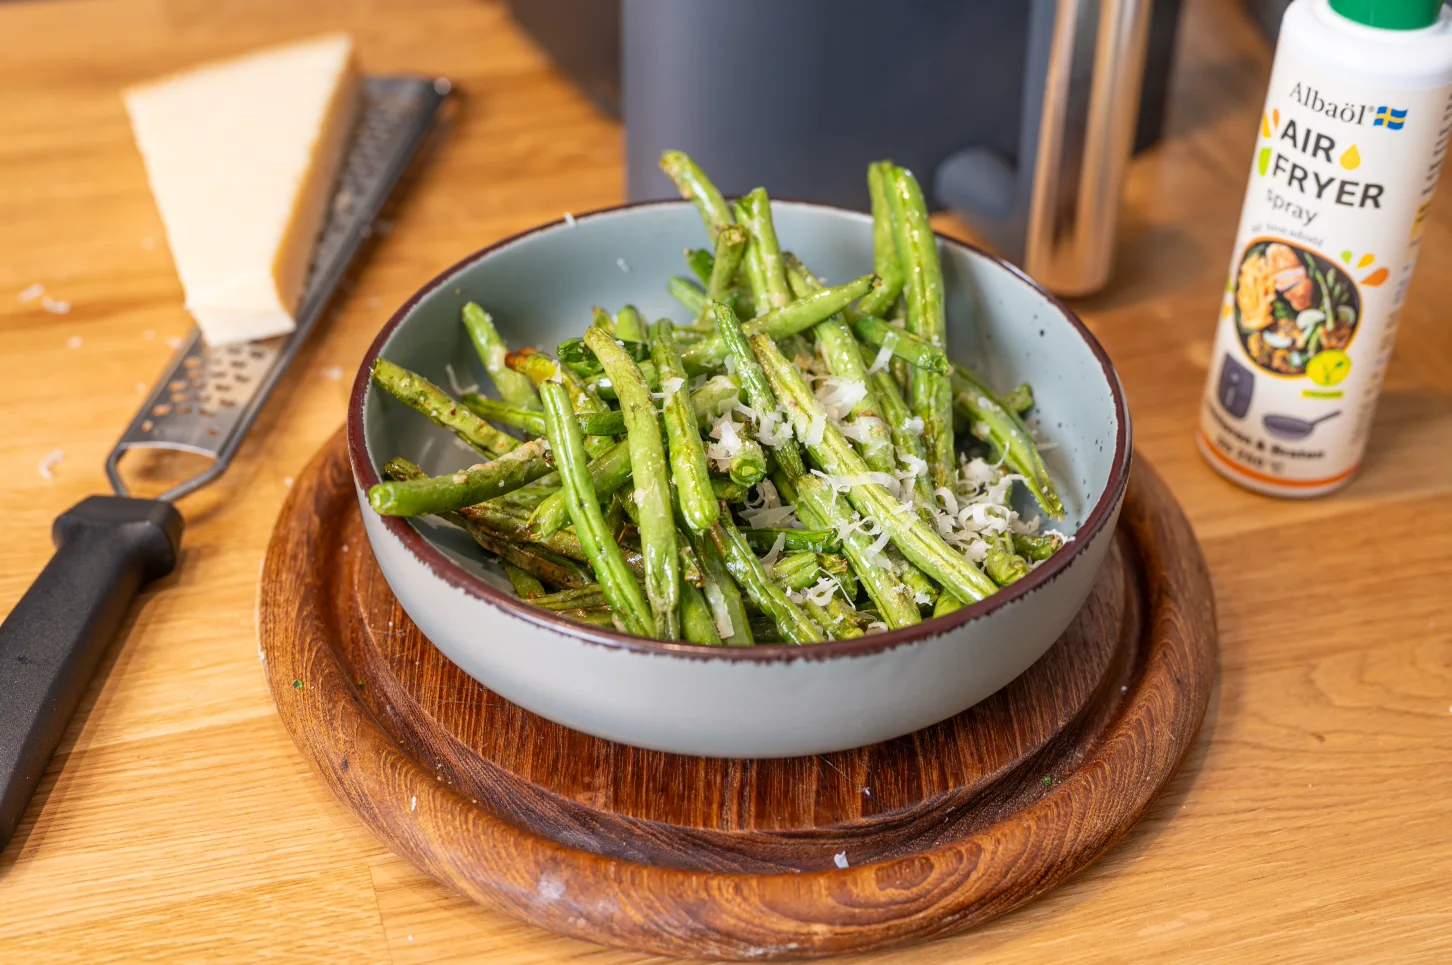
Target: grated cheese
x=49 y=462
x=720 y=612
x=669 y=388
x=772 y=555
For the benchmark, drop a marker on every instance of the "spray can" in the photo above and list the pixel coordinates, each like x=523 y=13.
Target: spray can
x=1351 y=141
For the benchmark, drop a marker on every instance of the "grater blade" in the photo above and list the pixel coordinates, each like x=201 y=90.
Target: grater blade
x=208 y=396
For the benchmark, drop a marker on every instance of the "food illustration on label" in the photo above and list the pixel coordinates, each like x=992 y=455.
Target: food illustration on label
x=1292 y=305
x=1292 y=427
x=1236 y=386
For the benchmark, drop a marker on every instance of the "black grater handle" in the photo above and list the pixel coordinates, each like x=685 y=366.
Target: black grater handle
x=107 y=549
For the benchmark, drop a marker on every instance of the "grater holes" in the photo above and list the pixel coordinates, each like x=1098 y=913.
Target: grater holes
x=178 y=397
x=177 y=385
x=226 y=403
x=241 y=377
x=183 y=409
x=161 y=410
x=147 y=425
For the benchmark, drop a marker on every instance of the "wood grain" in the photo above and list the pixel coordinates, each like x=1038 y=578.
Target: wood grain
x=180 y=824
x=736 y=859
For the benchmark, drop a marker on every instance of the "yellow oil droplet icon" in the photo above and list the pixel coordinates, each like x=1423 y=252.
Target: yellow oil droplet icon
x=1265 y=129
x=1351 y=160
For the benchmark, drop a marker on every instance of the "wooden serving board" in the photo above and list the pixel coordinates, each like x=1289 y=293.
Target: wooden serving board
x=940 y=830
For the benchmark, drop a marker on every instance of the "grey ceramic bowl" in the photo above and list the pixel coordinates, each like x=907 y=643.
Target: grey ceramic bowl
x=767 y=701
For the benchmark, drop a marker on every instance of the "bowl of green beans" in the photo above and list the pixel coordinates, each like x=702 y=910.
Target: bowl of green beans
x=739 y=477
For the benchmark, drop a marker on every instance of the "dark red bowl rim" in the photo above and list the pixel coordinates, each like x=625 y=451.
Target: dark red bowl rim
x=456 y=576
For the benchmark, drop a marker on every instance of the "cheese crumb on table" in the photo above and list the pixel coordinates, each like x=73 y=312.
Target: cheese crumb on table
x=49 y=462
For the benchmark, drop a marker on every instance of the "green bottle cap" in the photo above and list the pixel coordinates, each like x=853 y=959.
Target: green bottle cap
x=1390 y=14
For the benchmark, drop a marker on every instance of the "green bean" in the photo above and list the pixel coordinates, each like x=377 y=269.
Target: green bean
x=795 y=626
x=526 y=585
x=1008 y=433
x=917 y=246
x=629 y=326
x=608 y=472
x=946 y=604
x=577 y=598
x=652 y=482
x=1002 y=564
x=616 y=580
x=453 y=491
x=689 y=471
x=844 y=358
x=751 y=274
x=597 y=616
x=793 y=540
x=714 y=399
x=731 y=244
x=728 y=610
x=753 y=211
x=536 y=561
x=909 y=348
x=907 y=439
x=591 y=423
x=832 y=621
x=576 y=355
x=1037 y=548
x=840 y=570
x=421 y=395
x=913 y=538
x=1019 y=399
x=797 y=571
x=885 y=261
x=693 y=184
x=924 y=592
x=526 y=498
x=601 y=386
x=541 y=368
x=691 y=296
x=728 y=490
x=698 y=625
x=511 y=386
x=798 y=316
x=818 y=507
x=752 y=379
x=748 y=464
x=701 y=262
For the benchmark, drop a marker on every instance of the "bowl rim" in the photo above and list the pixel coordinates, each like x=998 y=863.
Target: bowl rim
x=445 y=569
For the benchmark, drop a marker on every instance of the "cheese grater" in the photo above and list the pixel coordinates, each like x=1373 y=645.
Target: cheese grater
x=109 y=547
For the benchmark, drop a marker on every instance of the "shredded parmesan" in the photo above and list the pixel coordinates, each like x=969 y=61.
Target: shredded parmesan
x=448 y=370
x=772 y=555
x=668 y=388
x=49 y=462
x=815 y=429
x=621 y=264
x=884 y=355
x=31 y=293
x=775 y=517
x=720 y=612
x=569 y=219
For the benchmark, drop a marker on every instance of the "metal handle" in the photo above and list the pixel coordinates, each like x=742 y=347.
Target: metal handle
x=1086 y=129
x=107 y=549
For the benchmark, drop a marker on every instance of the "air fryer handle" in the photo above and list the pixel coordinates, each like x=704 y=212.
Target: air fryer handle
x=107 y=549
x=1057 y=210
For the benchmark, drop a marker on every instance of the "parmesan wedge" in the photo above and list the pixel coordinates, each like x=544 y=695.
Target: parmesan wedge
x=241 y=156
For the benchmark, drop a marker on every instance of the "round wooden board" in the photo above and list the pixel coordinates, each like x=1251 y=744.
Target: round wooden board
x=941 y=829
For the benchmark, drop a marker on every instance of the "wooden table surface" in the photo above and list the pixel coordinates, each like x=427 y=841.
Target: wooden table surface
x=179 y=823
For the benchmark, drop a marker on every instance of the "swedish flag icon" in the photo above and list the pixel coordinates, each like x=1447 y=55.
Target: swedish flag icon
x=1389 y=118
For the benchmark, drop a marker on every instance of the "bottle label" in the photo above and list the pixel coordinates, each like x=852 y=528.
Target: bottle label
x=1340 y=184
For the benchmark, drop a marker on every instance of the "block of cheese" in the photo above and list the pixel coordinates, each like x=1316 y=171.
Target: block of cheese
x=242 y=156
